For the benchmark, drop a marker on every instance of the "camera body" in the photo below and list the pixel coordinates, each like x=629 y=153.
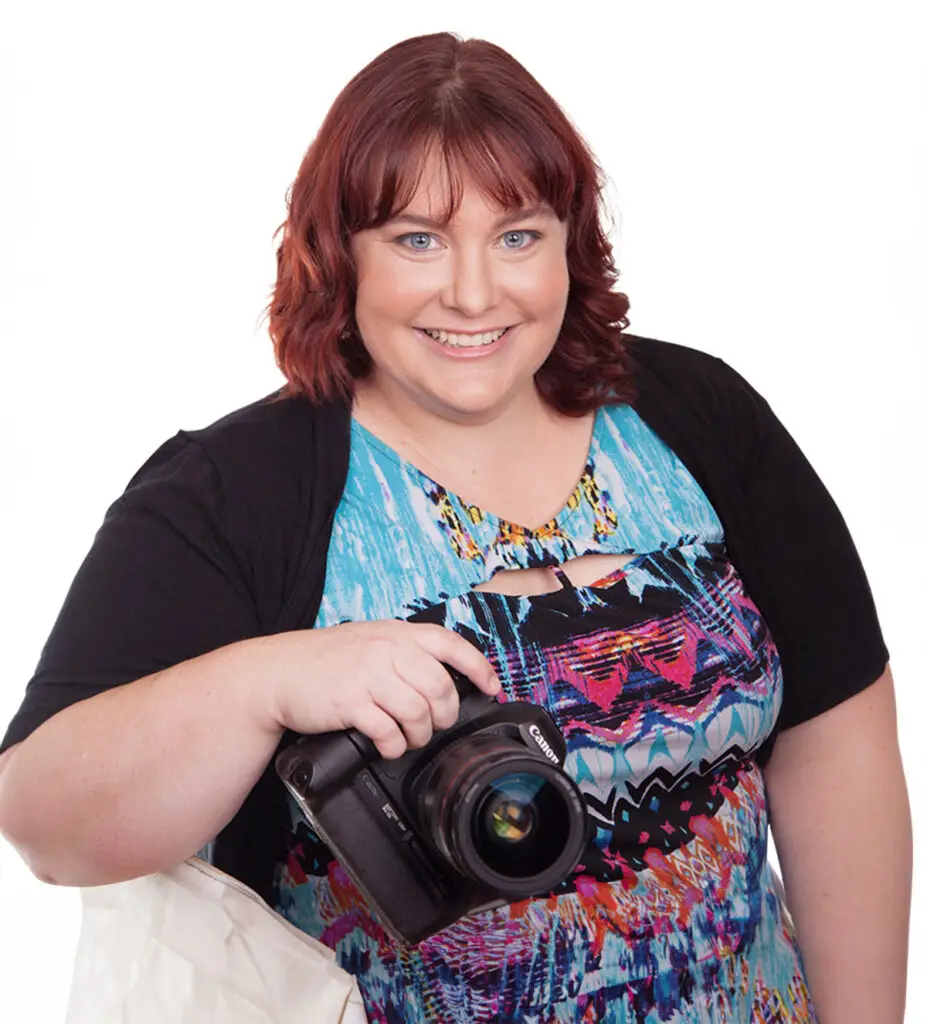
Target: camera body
x=482 y=815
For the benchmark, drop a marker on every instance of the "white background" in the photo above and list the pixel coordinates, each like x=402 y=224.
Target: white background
x=767 y=165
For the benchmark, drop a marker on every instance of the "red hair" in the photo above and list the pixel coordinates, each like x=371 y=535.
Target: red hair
x=488 y=119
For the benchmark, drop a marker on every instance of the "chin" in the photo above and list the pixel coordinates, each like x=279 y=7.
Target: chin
x=476 y=404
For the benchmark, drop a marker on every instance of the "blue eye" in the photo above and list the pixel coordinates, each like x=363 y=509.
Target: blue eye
x=417 y=234
x=527 y=237
x=534 y=235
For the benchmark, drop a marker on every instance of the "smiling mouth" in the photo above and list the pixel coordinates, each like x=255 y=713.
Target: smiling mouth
x=465 y=340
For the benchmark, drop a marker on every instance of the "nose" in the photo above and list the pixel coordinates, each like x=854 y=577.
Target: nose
x=472 y=283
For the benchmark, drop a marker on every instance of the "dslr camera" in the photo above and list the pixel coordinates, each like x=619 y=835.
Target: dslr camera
x=481 y=816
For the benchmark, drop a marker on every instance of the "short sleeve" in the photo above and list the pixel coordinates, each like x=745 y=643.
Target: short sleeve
x=806 y=575
x=162 y=583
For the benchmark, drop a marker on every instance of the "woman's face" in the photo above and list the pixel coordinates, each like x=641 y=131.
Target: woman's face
x=426 y=296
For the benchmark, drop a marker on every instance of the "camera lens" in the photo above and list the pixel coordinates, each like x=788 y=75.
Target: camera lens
x=509 y=815
x=521 y=825
x=504 y=816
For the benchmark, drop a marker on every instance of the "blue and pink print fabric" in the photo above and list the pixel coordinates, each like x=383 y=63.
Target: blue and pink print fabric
x=665 y=681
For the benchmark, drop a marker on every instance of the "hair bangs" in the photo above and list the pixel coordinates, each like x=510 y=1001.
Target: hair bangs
x=496 y=162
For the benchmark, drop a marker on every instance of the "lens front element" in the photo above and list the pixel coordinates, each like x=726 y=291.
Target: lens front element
x=509 y=813
x=521 y=826
x=507 y=818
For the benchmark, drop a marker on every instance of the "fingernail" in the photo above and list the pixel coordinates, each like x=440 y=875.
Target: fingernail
x=496 y=683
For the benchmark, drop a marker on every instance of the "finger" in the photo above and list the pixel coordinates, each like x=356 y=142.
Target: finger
x=451 y=648
x=431 y=679
x=383 y=730
x=407 y=707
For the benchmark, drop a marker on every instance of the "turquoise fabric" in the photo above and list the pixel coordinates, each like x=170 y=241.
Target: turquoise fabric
x=665 y=681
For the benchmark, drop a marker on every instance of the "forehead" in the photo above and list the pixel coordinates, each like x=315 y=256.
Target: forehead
x=444 y=190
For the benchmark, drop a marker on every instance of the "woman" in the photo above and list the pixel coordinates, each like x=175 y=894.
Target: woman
x=473 y=466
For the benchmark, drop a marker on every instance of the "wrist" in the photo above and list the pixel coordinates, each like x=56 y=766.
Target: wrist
x=269 y=678
x=255 y=669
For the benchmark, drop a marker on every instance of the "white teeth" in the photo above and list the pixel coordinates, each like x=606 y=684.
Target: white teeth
x=465 y=340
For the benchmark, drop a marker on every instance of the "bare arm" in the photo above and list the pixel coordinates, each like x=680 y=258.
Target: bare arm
x=842 y=827
x=138 y=778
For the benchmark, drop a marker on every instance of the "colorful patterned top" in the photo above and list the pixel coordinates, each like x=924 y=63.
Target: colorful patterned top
x=665 y=682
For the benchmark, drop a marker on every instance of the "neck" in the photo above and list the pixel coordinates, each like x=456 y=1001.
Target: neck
x=434 y=438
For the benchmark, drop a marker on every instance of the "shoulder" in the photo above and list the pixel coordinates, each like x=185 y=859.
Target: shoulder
x=656 y=355
x=273 y=431
x=687 y=383
x=674 y=367
x=257 y=444
x=707 y=412
x=250 y=495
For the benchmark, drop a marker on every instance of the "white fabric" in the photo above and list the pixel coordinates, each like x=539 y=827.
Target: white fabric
x=195 y=946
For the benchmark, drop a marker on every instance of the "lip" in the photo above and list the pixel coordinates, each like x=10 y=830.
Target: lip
x=468 y=353
x=469 y=334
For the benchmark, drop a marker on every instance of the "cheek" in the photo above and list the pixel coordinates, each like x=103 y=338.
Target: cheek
x=395 y=295
x=384 y=280
x=544 y=288
x=386 y=301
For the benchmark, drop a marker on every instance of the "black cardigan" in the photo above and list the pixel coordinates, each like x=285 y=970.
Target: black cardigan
x=223 y=533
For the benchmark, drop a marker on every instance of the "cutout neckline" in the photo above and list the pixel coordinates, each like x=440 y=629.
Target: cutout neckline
x=476 y=512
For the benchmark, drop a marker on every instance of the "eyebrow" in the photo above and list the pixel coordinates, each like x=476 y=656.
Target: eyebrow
x=510 y=218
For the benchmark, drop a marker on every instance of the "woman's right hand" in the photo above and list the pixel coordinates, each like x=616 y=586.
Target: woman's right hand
x=202 y=733
x=386 y=678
